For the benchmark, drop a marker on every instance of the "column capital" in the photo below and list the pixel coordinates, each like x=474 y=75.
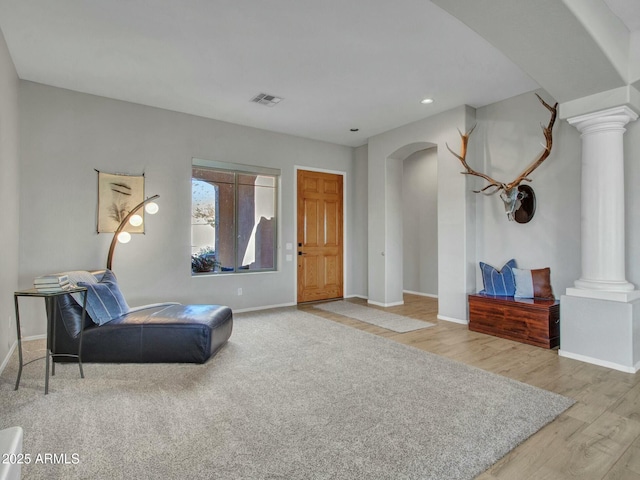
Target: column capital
x=611 y=118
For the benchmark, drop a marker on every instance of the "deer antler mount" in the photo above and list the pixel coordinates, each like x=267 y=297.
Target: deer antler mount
x=514 y=195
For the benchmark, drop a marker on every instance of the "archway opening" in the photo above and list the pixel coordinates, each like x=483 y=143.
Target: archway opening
x=420 y=223
x=412 y=190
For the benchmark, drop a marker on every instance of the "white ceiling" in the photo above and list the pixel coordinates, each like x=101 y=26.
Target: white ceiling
x=628 y=11
x=338 y=64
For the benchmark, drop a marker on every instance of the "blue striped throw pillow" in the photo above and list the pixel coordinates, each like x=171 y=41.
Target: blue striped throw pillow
x=104 y=299
x=499 y=282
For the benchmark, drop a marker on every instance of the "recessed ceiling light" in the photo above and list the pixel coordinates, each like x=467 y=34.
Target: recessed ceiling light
x=354 y=129
x=426 y=101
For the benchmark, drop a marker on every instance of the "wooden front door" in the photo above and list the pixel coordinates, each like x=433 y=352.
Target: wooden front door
x=320 y=243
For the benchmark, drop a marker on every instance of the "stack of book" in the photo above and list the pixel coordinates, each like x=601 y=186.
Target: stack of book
x=56 y=282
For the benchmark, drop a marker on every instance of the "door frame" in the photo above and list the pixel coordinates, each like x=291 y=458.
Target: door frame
x=344 y=224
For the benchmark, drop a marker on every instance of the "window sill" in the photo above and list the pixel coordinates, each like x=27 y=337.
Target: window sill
x=226 y=274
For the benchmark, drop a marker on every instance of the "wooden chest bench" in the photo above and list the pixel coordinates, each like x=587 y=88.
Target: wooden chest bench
x=532 y=321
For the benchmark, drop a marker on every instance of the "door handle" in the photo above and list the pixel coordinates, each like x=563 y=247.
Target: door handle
x=301 y=253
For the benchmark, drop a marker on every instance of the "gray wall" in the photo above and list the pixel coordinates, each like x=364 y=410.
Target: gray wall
x=8 y=198
x=456 y=212
x=632 y=194
x=356 y=265
x=65 y=135
x=420 y=222
x=508 y=136
x=507 y=139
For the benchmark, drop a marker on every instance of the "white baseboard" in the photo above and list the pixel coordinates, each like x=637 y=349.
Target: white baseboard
x=265 y=307
x=355 y=295
x=411 y=292
x=42 y=336
x=379 y=304
x=601 y=363
x=5 y=362
x=430 y=295
x=453 y=320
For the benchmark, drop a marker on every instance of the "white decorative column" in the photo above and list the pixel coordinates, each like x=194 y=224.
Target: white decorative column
x=603 y=232
x=601 y=315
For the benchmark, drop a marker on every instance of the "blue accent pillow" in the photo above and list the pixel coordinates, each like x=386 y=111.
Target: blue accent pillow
x=104 y=299
x=499 y=282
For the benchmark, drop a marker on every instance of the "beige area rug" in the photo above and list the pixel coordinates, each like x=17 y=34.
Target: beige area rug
x=291 y=396
x=374 y=316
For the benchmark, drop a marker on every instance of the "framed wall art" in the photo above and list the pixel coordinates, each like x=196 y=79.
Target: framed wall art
x=117 y=195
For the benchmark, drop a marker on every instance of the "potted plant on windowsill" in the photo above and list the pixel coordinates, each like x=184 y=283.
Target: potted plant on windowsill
x=204 y=261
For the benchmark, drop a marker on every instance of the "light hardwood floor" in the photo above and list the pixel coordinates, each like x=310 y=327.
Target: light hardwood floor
x=597 y=438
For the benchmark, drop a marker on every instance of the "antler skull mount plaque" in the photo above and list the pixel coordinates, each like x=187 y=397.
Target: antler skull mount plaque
x=519 y=200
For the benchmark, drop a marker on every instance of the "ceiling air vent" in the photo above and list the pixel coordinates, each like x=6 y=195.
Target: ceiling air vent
x=266 y=99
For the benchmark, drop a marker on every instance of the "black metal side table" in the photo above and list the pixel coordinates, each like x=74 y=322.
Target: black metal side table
x=49 y=296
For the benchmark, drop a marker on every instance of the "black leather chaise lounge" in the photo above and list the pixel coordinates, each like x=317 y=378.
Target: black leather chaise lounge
x=159 y=333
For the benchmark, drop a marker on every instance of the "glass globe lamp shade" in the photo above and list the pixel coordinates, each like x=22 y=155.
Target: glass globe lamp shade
x=124 y=237
x=151 y=208
x=136 y=220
